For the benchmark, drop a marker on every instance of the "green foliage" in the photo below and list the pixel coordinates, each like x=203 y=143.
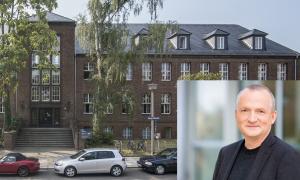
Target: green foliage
x=202 y=76
x=100 y=140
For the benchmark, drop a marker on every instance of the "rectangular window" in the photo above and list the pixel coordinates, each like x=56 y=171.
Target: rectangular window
x=108 y=130
x=56 y=60
x=262 y=71
x=223 y=70
x=109 y=109
x=127 y=133
x=57 y=48
x=146 y=103
x=243 y=71
x=55 y=93
x=88 y=71
x=88 y=103
x=204 y=68
x=35 y=93
x=45 y=77
x=258 y=42
x=35 y=60
x=168 y=133
x=147 y=71
x=56 y=77
x=1 y=105
x=125 y=106
x=165 y=104
x=281 y=71
x=45 y=93
x=185 y=69
x=129 y=72
x=166 y=71
x=35 y=77
x=182 y=42
x=220 y=42
x=146 y=133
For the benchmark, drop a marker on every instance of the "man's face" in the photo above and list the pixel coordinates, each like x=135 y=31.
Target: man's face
x=254 y=113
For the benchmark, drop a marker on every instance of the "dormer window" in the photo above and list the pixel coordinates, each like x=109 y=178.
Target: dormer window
x=182 y=43
x=217 y=39
x=254 y=39
x=140 y=35
x=181 y=39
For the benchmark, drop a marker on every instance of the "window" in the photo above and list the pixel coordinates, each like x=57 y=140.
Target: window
x=56 y=60
x=182 y=42
x=262 y=71
x=223 y=70
x=45 y=77
x=127 y=133
x=55 y=93
x=35 y=77
x=220 y=42
x=258 y=42
x=185 y=69
x=166 y=71
x=45 y=93
x=146 y=133
x=147 y=71
x=88 y=103
x=35 y=60
x=165 y=104
x=243 y=71
x=1 y=105
x=168 y=133
x=108 y=130
x=129 y=72
x=105 y=155
x=35 y=93
x=90 y=156
x=109 y=109
x=125 y=106
x=88 y=71
x=146 y=103
x=281 y=71
x=56 y=77
x=204 y=68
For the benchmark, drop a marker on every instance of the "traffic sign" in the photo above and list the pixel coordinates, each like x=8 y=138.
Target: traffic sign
x=153 y=118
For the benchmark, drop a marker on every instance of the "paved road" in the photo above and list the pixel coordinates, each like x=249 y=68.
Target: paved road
x=130 y=174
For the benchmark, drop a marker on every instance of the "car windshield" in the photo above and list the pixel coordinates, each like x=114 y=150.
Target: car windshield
x=3 y=158
x=166 y=152
x=78 y=154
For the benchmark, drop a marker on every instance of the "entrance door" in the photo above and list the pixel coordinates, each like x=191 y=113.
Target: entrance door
x=45 y=117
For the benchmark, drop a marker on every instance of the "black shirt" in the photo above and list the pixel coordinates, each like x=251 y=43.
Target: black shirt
x=243 y=163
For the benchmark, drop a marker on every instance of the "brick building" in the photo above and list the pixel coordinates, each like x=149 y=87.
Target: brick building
x=65 y=100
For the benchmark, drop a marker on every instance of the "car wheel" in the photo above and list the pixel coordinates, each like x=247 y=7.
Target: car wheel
x=116 y=171
x=70 y=171
x=23 y=171
x=160 y=169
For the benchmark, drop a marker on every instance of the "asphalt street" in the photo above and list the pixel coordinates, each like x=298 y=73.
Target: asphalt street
x=130 y=174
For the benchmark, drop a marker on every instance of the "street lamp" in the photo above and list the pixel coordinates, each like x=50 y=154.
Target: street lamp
x=152 y=87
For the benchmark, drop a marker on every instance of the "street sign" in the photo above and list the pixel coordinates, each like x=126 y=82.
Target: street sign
x=153 y=118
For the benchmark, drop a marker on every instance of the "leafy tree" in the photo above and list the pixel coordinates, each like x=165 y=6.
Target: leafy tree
x=19 y=37
x=201 y=76
x=106 y=39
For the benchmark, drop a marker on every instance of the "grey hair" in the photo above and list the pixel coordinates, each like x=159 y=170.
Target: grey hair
x=258 y=87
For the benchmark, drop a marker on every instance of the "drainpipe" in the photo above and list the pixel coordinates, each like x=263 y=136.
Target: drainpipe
x=297 y=57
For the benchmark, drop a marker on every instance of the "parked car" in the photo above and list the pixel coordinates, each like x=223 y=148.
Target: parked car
x=17 y=163
x=96 y=160
x=165 y=161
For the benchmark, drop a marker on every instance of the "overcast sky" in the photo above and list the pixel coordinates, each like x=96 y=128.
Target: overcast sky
x=279 y=18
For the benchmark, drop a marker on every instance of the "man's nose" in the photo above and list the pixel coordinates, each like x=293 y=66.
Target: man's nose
x=252 y=118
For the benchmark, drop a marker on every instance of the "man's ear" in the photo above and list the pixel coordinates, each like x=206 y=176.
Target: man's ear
x=274 y=116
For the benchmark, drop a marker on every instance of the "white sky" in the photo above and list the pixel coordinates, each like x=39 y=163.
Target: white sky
x=279 y=18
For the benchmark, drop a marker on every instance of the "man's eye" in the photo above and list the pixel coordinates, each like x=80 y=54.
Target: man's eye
x=244 y=110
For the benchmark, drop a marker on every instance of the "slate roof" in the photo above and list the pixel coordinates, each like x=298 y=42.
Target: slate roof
x=200 y=47
x=253 y=32
x=179 y=32
x=52 y=17
x=216 y=32
x=143 y=31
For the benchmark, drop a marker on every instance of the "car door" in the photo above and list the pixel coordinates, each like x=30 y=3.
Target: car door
x=87 y=163
x=105 y=160
x=173 y=163
x=8 y=165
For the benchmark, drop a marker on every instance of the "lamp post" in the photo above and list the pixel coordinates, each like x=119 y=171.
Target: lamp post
x=152 y=87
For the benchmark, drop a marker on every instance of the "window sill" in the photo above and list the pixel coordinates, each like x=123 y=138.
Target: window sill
x=87 y=113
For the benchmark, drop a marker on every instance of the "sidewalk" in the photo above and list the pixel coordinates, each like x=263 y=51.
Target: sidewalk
x=47 y=156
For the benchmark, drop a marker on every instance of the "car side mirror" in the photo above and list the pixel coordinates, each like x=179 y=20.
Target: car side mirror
x=81 y=159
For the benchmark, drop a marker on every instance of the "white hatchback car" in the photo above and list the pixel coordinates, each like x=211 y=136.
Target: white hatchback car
x=96 y=160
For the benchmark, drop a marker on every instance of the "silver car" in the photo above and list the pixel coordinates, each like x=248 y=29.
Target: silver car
x=96 y=160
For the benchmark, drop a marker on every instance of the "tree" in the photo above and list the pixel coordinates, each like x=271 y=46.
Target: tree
x=19 y=37
x=106 y=39
x=202 y=76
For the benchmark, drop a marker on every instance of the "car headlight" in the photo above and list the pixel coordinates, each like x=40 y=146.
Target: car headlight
x=148 y=163
x=59 y=163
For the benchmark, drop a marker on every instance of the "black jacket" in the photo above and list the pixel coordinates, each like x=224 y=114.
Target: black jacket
x=275 y=160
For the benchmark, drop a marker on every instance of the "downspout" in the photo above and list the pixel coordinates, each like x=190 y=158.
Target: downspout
x=75 y=133
x=297 y=57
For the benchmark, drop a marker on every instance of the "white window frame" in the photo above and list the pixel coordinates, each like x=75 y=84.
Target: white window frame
x=224 y=70
x=166 y=71
x=129 y=74
x=243 y=71
x=127 y=133
x=171 y=130
x=220 y=42
x=204 y=68
x=262 y=71
x=35 y=93
x=165 y=104
x=182 y=42
x=88 y=100
x=147 y=71
x=56 y=60
x=1 y=105
x=146 y=133
x=88 y=68
x=45 y=73
x=258 y=43
x=45 y=93
x=35 y=78
x=282 y=71
x=146 y=104
x=108 y=130
x=35 y=60
x=185 y=69
x=55 y=93
x=55 y=77
x=109 y=109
